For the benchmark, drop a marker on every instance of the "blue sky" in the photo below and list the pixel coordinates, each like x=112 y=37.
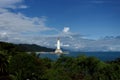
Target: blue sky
x=93 y=18
x=81 y=24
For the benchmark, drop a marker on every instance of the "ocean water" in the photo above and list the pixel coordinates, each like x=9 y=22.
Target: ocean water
x=104 y=56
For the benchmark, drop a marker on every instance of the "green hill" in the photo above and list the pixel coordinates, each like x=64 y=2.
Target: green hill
x=23 y=47
x=33 y=48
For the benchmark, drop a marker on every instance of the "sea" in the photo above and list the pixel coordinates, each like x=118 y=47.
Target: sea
x=104 y=56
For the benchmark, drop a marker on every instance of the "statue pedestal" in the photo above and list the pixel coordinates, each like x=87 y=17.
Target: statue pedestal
x=58 y=51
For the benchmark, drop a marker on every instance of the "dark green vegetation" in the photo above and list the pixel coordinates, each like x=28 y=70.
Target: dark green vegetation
x=23 y=47
x=18 y=65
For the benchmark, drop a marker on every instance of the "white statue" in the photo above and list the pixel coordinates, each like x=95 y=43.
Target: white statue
x=58 y=50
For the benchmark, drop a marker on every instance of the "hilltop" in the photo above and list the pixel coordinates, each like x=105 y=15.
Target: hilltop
x=23 y=47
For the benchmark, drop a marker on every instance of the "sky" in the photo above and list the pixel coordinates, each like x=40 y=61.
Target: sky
x=26 y=21
x=94 y=18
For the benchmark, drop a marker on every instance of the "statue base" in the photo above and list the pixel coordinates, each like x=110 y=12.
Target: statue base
x=58 y=51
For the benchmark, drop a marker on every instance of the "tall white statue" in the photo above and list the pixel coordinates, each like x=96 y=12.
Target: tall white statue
x=58 y=50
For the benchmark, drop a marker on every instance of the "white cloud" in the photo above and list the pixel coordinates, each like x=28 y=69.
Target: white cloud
x=13 y=4
x=18 y=22
x=18 y=28
x=23 y=6
x=66 y=29
x=14 y=26
x=3 y=10
x=66 y=45
x=21 y=23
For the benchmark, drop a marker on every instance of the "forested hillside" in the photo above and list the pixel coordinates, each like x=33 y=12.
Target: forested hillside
x=23 y=47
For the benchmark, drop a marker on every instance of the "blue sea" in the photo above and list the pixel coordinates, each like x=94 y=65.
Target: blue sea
x=104 y=56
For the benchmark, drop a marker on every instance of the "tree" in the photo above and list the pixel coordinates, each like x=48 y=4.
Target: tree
x=4 y=74
x=25 y=66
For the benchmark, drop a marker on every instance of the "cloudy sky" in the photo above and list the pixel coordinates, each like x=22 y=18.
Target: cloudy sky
x=83 y=22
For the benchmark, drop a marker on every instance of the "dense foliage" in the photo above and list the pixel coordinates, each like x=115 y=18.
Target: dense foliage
x=15 y=65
